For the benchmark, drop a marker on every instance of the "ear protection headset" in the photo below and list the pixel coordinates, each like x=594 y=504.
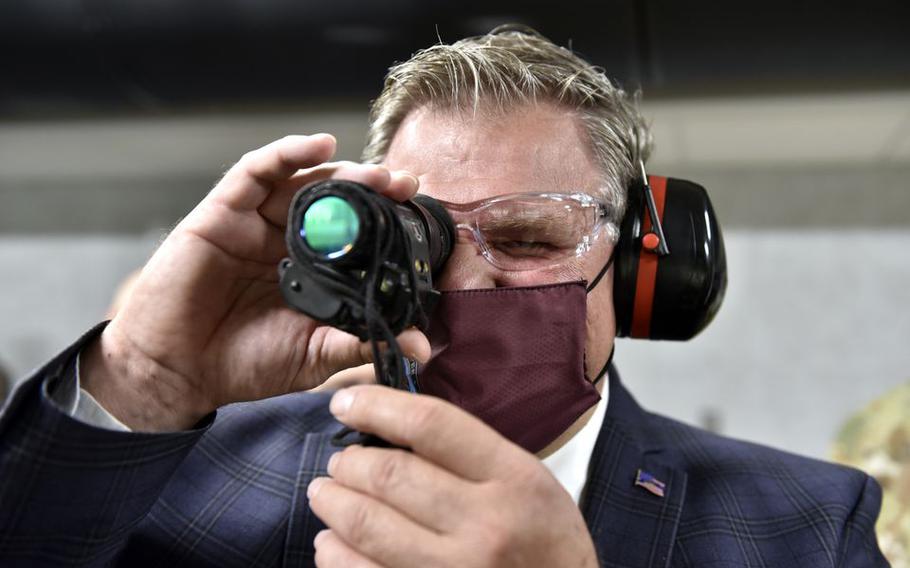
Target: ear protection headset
x=670 y=270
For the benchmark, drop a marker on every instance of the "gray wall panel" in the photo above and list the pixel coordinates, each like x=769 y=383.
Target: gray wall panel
x=815 y=324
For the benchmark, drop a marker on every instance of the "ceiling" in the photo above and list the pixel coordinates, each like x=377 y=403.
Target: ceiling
x=64 y=57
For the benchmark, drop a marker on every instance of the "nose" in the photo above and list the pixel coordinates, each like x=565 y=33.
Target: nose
x=466 y=267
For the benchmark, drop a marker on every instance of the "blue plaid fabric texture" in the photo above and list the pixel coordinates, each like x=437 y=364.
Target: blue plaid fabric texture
x=233 y=491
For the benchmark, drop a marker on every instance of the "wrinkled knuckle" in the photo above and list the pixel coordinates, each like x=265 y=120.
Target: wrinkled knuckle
x=424 y=417
x=389 y=471
x=497 y=541
x=241 y=166
x=363 y=353
x=340 y=164
x=536 y=479
x=359 y=528
x=281 y=156
x=495 y=531
x=248 y=157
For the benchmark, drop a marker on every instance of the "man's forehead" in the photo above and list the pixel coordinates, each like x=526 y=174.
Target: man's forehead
x=463 y=156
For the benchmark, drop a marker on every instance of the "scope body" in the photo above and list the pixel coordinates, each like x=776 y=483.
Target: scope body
x=352 y=250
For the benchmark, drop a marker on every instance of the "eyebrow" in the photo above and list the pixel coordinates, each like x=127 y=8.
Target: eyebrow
x=531 y=219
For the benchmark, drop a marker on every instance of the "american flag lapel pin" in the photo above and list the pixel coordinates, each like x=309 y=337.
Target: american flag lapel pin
x=650 y=483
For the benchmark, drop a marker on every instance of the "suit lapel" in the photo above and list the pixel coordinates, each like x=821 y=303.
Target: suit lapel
x=631 y=524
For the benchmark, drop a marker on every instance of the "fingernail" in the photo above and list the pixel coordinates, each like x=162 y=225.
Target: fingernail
x=333 y=461
x=413 y=177
x=341 y=402
x=320 y=536
x=314 y=487
x=417 y=357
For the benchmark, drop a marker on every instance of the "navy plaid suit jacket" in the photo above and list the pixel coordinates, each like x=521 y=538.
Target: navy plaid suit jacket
x=233 y=492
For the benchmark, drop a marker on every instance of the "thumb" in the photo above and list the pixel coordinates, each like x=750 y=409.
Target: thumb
x=340 y=350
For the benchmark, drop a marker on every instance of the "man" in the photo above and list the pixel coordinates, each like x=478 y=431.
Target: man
x=205 y=326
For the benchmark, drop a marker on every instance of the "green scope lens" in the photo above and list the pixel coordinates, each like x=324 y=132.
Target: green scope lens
x=330 y=226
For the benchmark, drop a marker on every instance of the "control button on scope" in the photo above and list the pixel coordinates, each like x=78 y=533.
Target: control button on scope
x=330 y=226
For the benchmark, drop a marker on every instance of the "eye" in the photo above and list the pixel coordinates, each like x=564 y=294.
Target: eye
x=526 y=248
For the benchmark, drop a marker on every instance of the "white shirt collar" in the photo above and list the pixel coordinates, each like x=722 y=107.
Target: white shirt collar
x=569 y=464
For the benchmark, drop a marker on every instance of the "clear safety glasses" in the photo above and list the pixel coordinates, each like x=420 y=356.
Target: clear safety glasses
x=530 y=231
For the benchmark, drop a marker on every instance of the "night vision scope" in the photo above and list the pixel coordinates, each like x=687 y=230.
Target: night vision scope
x=362 y=262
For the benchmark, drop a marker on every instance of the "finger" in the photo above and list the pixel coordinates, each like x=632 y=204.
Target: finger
x=421 y=490
x=398 y=184
x=275 y=208
x=441 y=432
x=337 y=350
x=403 y=185
x=362 y=375
x=248 y=183
x=238 y=232
x=415 y=345
x=332 y=552
x=241 y=234
x=371 y=527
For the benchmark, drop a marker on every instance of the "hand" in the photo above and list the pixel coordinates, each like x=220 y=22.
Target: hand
x=205 y=324
x=464 y=495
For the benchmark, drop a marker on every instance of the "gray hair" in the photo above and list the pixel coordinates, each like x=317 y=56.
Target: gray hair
x=508 y=67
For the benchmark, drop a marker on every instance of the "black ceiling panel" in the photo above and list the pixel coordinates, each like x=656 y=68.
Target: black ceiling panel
x=778 y=45
x=68 y=56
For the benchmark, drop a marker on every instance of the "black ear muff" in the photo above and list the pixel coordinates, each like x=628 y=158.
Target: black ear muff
x=670 y=277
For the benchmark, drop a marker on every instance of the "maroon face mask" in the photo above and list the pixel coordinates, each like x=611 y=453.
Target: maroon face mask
x=513 y=357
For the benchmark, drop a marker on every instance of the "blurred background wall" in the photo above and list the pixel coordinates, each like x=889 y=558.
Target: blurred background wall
x=117 y=117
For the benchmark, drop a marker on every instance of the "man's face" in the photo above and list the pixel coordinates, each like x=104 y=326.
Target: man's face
x=461 y=158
